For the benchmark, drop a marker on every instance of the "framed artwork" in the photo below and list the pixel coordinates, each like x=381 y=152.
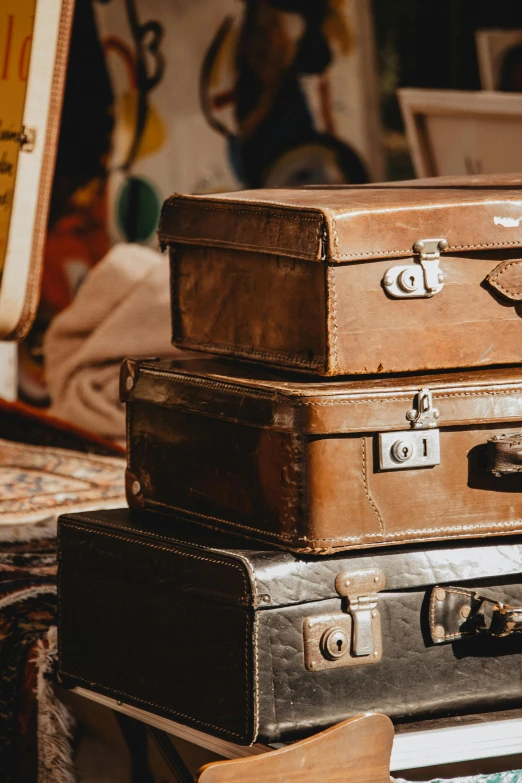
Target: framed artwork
x=499 y=55
x=34 y=38
x=451 y=132
x=219 y=95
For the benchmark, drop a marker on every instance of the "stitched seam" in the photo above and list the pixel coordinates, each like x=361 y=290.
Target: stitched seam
x=150 y=703
x=156 y=546
x=264 y=212
x=480 y=246
x=494 y=281
x=282 y=536
x=333 y=316
x=255 y=640
x=432 y=613
x=237 y=349
x=285 y=537
x=70 y=525
x=213 y=242
x=447 y=396
x=300 y=402
x=367 y=488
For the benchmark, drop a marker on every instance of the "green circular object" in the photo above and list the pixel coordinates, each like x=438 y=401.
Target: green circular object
x=138 y=207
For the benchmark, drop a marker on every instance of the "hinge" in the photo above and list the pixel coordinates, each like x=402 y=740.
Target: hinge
x=419 y=449
x=422 y=280
x=351 y=636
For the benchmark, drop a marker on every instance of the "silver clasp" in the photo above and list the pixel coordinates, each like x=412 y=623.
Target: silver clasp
x=418 y=281
x=352 y=636
x=407 y=449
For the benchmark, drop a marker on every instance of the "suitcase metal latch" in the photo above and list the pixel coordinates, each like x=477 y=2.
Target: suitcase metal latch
x=421 y=280
x=352 y=636
x=415 y=448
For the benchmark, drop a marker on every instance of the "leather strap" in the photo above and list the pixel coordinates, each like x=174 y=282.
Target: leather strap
x=459 y=612
x=505 y=454
x=506 y=279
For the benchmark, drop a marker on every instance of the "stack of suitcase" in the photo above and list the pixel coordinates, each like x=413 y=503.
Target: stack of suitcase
x=316 y=500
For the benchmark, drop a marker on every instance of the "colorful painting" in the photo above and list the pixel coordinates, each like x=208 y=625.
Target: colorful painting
x=222 y=95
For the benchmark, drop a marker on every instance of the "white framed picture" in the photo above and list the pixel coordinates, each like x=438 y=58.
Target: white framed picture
x=453 y=132
x=499 y=55
x=34 y=38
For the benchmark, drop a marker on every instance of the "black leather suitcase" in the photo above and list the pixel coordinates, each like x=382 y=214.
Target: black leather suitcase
x=258 y=644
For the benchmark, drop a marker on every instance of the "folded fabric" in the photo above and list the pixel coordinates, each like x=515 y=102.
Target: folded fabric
x=122 y=309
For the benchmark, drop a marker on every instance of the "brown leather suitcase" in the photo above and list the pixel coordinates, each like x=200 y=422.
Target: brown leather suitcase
x=414 y=276
x=319 y=466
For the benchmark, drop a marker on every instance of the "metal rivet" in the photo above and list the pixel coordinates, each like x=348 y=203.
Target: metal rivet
x=465 y=611
x=312 y=664
x=136 y=488
x=418 y=246
x=440 y=594
x=265 y=598
x=443 y=244
x=129 y=383
x=374 y=613
x=119 y=703
x=439 y=631
x=440 y=277
x=376 y=579
x=411 y=415
x=376 y=654
x=347 y=583
x=388 y=279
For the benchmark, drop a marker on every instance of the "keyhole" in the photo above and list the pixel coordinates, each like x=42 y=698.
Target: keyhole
x=405 y=451
x=412 y=281
x=339 y=645
x=425 y=447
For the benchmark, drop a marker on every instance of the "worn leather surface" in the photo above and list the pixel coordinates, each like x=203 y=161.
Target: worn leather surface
x=505 y=454
x=297 y=465
x=175 y=619
x=294 y=277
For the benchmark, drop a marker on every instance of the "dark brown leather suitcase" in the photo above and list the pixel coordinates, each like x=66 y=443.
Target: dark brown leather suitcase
x=321 y=466
x=255 y=644
x=410 y=276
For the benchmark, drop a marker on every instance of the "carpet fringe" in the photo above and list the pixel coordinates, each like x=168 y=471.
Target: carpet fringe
x=55 y=722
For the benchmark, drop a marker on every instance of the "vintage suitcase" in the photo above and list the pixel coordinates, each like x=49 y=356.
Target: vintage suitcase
x=257 y=644
x=320 y=466
x=406 y=277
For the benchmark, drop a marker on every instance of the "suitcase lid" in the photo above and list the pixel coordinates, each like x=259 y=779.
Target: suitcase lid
x=256 y=396
x=278 y=578
x=347 y=224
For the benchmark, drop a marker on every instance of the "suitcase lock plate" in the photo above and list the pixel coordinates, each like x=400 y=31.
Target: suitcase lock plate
x=418 y=447
x=418 y=281
x=352 y=636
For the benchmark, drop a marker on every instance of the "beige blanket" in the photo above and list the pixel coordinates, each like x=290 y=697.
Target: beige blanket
x=122 y=309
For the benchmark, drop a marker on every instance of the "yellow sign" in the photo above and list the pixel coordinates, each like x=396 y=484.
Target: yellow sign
x=16 y=31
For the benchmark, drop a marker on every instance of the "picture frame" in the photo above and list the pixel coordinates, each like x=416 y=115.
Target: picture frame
x=452 y=132
x=34 y=43
x=494 y=48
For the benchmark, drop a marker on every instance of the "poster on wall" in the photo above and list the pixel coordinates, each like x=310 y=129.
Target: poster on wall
x=217 y=95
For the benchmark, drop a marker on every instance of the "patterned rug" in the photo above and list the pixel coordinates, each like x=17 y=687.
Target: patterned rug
x=37 y=483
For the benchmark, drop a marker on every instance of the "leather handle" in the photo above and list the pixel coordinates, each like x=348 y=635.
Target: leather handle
x=506 y=280
x=505 y=454
x=460 y=612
